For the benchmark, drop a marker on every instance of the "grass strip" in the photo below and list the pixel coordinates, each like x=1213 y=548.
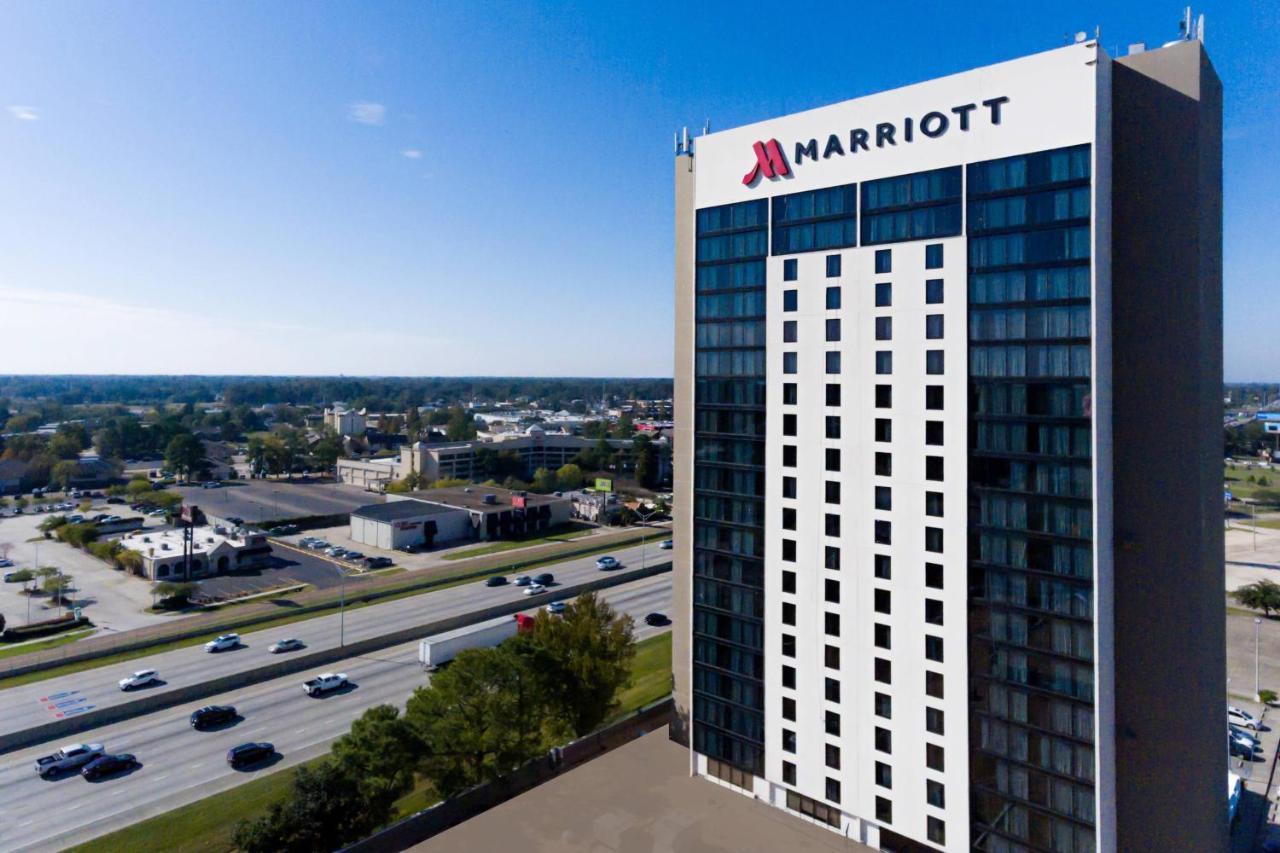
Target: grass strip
x=51 y=643
x=513 y=544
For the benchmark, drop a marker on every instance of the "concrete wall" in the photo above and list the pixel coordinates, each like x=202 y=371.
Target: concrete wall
x=682 y=475
x=1170 y=643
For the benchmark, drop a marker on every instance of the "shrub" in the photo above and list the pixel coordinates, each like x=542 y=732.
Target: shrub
x=1267 y=697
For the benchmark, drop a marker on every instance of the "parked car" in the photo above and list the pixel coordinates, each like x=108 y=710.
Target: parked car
x=211 y=484
x=157 y=512
x=523 y=580
x=335 y=551
x=496 y=580
x=535 y=589
x=656 y=619
x=221 y=644
x=555 y=607
x=111 y=519
x=114 y=499
x=317 y=544
x=545 y=579
x=249 y=753
x=11 y=577
x=141 y=678
x=666 y=544
x=70 y=757
x=1236 y=748
x=286 y=645
x=377 y=562
x=1244 y=737
x=212 y=715
x=1241 y=717
x=353 y=556
x=6 y=563
x=75 y=519
x=106 y=765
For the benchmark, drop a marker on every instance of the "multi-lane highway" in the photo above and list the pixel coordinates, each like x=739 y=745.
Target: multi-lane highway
x=55 y=699
x=181 y=765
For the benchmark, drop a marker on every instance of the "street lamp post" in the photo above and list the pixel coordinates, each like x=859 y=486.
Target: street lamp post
x=1257 y=627
x=645 y=533
x=342 y=605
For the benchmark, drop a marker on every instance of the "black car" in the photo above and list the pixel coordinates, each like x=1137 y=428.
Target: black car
x=105 y=765
x=212 y=715
x=546 y=579
x=656 y=619
x=115 y=500
x=249 y=753
x=377 y=562
x=496 y=580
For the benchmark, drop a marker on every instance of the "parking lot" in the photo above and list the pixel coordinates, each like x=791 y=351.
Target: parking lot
x=287 y=567
x=264 y=500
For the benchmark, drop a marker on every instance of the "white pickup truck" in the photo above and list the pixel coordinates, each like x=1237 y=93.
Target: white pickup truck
x=70 y=757
x=325 y=683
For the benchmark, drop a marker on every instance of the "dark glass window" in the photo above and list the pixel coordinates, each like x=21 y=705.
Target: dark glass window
x=788 y=518
x=936 y=830
x=788 y=487
x=884 y=429
x=832 y=458
x=833 y=298
x=912 y=207
x=933 y=575
x=833 y=329
x=883 y=670
x=789 y=582
x=884 y=810
x=884 y=328
x=884 y=464
x=831 y=491
x=883 y=635
x=833 y=394
x=933 y=611
x=933 y=396
x=833 y=790
x=933 y=431
x=833 y=426
x=790 y=331
x=790 y=300
x=884 y=498
x=933 y=685
x=831 y=624
x=933 y=648
x=883 y=566
x=884 y=775
x=884 y=362
x=883 y=601
x=884 y=294
x=883 y=737
x=935 y=757
x=788 y=772
x=789 y=550
x=831 y=557
x=933 y=503
x=883 y=532
x=933 y=291
x=833 y=363
x=788 y=741
x=790 y=393
x=788 y=676
x=933 y=326
x=833 y=756
x=933 y=256
x=933 y=540
x=883 y=708
x=884 y=396
x=833 y=266
x=814 y=220
x=933 y=362
x=831 y=524
x=788 y=424
x=831 y=657
x=788 y=645
x=933 y=467
x=831 y=590
x=789 y=455
x=884 y=260
x=790 y=362
x=788 y=708
x=790 y=269
x=935 y=793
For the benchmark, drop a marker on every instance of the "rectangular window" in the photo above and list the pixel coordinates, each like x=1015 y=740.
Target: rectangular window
x=788 y=613
x=883 y=708
x=933 y=468
x=935 y=757
x=833 y=394
x=833 y=756
x=831 y=558
x=933 y=326
x=790 y=393
x=790 y=269
x=934 y=362
x=883 y=671
x=833 y=266
x=832 y=723
x=884 y=396
x=936 y=829
x=933 y=575
x=883 y=637
x=884 y=362
x=884 y=294
x=933 y=396
x=790 y=362
x=833 y=790
x=789 y=582
x=933 y=504
x=884 y=429
x=788 y=741
x=832 y=524
x=790 y=300
x=833 y=363
x=883 y=600
x=933 y=433
x=884 y=260
x=789 y=455
x=832 y=458
x=933 y=291
x=833 y=298
x=788 y=518
x=883 y=737
x=935 y=793
x=833 y=426
x=833 y=329
x=933 y=648
x=884 y=498
x=789 y=550
x=884 y=464
x=884 y=533
x=788 y=676
x=789 y=424
x=831 y=657
x=831 y=491
x=790 y=331
x=788 y=708
x=884 y=810
x=933 y=256
x=884 y=775
x=933 y=684
x=788 y=487
x=883 y=566
x=788 y=773
x=933 y=540
x=831 y=624
x=884 y=328
x=788 y=645
x=831 y=591
x=935 y=721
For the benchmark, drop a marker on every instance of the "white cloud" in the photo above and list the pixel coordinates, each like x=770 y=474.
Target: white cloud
x=367 y=113
x=22 y=113
x=412 y=153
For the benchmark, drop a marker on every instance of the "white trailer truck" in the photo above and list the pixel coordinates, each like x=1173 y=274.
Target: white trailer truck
x=442 y=648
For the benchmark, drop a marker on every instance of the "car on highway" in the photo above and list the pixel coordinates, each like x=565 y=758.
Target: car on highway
x=666 y=544
x=555 y=607
x=377 y=562
x=223 y=643
x=70 y=757
x=607 y=562
x=535 y=589
x=1241 y=717
x=211 y=484
x=107 y=765
x=656 y=619
x=249 y=753
x=288 y=644
x=141 y=678
x=326 y=683
x=496 y=580
x=523 y=580
x=212 y=715
x=544 y=579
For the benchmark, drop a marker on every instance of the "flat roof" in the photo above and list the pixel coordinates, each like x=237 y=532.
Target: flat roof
x=638 y=797
x=472 y=497
x=398 y=510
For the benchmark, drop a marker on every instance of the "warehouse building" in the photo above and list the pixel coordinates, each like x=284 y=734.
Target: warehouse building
x=434 y=517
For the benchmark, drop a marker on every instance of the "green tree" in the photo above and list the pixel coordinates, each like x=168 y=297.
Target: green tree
x=24 y=577
x=379 y=752
x=569 y=476
x=174 y=594
x=327 y=450
x=644 y=457
x=185 y=455
x=478 y=719
x=324 y=811
x=1261 y=595
x=138 y=487
x=461 y=425
x=56 y=585
x=256 y=453
x=65 y=446
x=582 y=659
x=544 y=481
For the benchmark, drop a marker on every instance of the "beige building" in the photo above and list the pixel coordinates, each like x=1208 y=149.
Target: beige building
x=214 y=552
x=344 y=421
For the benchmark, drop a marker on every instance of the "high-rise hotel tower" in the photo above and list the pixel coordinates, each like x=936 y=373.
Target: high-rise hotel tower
x=949 y=557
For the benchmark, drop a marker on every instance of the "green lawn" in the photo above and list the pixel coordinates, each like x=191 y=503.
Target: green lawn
x=1237 y=481
x=51 y=643
x=206 y=826
x=513 y=544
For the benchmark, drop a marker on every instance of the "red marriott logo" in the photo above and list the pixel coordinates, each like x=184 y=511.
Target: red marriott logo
x=769 y=162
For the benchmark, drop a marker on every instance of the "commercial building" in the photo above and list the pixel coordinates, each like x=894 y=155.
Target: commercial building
x=946 y=589
x=214 y=552
x=432 y=517
x=344 y=421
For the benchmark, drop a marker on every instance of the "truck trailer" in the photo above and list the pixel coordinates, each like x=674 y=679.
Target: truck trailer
x=436 y=651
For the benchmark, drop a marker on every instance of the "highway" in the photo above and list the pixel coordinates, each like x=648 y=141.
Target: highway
x=45 y=701
x=181 y=765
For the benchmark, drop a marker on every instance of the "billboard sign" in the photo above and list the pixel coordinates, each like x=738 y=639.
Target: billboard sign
x=604 y=484
x=519 y=501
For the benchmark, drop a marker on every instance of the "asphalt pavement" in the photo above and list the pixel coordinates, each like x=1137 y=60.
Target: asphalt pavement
x=180 y=765
x=53 y=699
x=261 y=500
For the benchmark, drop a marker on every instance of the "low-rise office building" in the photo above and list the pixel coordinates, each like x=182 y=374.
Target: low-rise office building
x=432 y=517
x=213 y=552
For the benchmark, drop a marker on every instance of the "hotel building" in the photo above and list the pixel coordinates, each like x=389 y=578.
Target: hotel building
x=949 y=544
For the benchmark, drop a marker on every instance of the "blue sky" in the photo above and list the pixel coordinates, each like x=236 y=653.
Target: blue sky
x=465 y=188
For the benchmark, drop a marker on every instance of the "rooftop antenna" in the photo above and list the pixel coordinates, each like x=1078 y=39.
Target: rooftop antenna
x=676 y=137
x=684 y=139
x=706 y=125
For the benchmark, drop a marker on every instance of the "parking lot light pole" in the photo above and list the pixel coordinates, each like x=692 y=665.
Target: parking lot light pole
x=342 y=605
x=1257 y=627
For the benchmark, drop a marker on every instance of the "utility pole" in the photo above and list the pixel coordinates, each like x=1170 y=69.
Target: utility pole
x=1257 y=627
